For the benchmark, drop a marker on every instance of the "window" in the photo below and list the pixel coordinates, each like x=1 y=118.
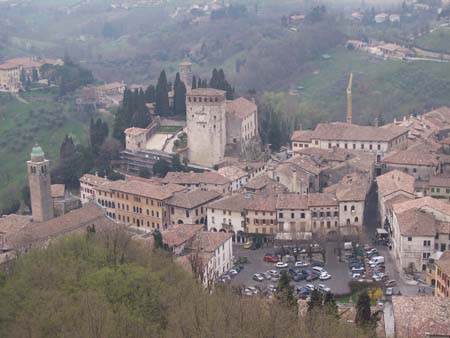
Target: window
x=354 y=146
x=370 y=146
x=362 y=145
x=187 y=213
x=328 y=224
x=321 y=214
x=302 y=215
x=346 y=146
x=426 y=243
x=345 y=208
x=328 y=214
x=336 y=214
x=292 y=215
x=213 y=220
x=409 y=239
x=378 y=146
x=280 y=215
x=314 y=214
x=329 y=145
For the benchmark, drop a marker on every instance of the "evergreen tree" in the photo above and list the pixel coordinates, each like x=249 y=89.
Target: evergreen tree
x=363 y=313
x=150 y=94
x=23 y=77
x=162 y=96
x=144 y=173
x=285 y=291
x=176 y=163
x=218 y=81
x=140 y=113
x=67 y=148
x=315 y=301
x=179 y=99
x=161 y=168
x=194 y=82
x=331 y=306
x=98 y=132
x=34 y=75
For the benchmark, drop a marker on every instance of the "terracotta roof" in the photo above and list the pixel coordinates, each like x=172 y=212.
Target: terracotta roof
x=73 y=221
x=264 y=183
x=292 y=201
x=156 y=191
x=322 y=200
x=444 y=263
x=352 y=187
x=11 y=225
x=305 y=163
x=394 y=181
x=302 y=135
x=395 y=200
x=235 y=202
x=241 y=107
x=440 y=181
x=445 y=141
x=351 y=132
x=193 y=199
x=443 y=228
x=421 y=316
x=416 y=222
x=196 y=178
x=92 y=179
x=180 y=233
x=420 y=154
x=330 y=155
x=424 y=203
x=206 y=92
x=28 y=62
x=112 y=85
x=134 y=131
x=232 y=173
x=206 y=241
x=57 y=190
x=262 y=203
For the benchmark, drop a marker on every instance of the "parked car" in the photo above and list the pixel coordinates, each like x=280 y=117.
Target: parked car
x=271 y=259
x=358 y=269
x=324 y=276
x=300 y=264
x=299 y=277
x=281 y=265
x=310 y=287
x=323 y=288
x=233 y=272
x=389 y=291
x=271 y=288
x=267 y=275
x=248 y=245
x=390 y=283
x=317 y=263
x=273 y=272
x=275 y=278
x=252 y=289
x=356 y=275
x=258 y=277
x=299 y=250
x=311 y=278
x=377 y=260
x=318 y=269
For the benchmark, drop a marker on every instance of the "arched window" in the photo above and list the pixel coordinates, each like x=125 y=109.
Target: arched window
x=345 y=207
x=356 y=219
x=352 y=208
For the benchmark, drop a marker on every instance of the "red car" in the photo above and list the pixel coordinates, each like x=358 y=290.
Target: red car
x=271 y=259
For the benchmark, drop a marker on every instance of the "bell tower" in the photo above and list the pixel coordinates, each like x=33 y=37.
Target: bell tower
x=39 y=181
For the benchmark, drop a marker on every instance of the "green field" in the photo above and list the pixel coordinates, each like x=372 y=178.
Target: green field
x=394 y=88
x=437 y=41
x=41 y=120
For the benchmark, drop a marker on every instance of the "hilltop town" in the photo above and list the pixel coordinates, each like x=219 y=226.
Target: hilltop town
x=195 y=208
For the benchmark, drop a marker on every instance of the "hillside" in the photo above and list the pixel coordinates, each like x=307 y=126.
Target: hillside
x=109 y=287
x=393 y=88
x=437 y=41
x=36 y=117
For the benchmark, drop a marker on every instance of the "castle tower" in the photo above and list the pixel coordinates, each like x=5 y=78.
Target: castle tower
x=186 y=74
x=349 y=100
x=206 y=126
x=39 y=181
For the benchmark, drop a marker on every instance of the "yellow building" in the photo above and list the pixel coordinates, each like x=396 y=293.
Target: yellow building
x=137 y=203
x=443 y=276
x=261 y=214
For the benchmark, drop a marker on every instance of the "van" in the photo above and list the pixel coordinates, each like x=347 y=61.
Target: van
x=377 y=260
x=248 y=245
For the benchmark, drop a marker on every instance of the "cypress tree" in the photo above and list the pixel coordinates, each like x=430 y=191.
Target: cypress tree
x=150 y=94
x=363 y=314
x=285 y=291
x=315 y=301
x=179 y=99
x=194 y=82
x=162 y=97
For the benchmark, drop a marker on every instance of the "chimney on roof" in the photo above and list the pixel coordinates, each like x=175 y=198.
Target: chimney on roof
x=294 y=180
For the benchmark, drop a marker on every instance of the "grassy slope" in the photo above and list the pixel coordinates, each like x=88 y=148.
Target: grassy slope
x=19 y=130
x=438 y=40
x=394 y=88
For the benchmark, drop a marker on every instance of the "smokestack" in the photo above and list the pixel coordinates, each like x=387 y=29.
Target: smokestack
x=349 y=100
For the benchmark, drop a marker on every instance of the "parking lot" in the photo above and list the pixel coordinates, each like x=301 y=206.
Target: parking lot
x=338 y=270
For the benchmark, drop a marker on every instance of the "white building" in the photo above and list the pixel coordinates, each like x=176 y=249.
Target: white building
x=88 y=187
x=237 y=177
x=382 y=17
x=420 y=227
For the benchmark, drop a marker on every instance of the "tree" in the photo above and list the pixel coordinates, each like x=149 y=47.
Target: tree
x=150 y=94
x=194 y=82
x=34 y=75
x=363 y=313
x=67 y=148
x=218 y=81
x=315 y=301
x=144 y=173
x=26 y=198
x=161 y=168
x=140 y=113
x=330 y=306
x=162 y=96
x=176 y=163
x=98 y=132
x=23 y=77
x=179 y=98
x=285 y=291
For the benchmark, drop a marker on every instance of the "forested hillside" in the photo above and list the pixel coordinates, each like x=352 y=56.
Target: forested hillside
x=107 y=286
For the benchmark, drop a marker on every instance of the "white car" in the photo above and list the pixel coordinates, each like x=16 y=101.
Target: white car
x=357 y=269
x=324 y=276
x=273 y=272
x=389 y=291
x=300 y=264
x=233 y=272
x=323 y=287
x=281 y=265
x=309 y=287
x=356 y=275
